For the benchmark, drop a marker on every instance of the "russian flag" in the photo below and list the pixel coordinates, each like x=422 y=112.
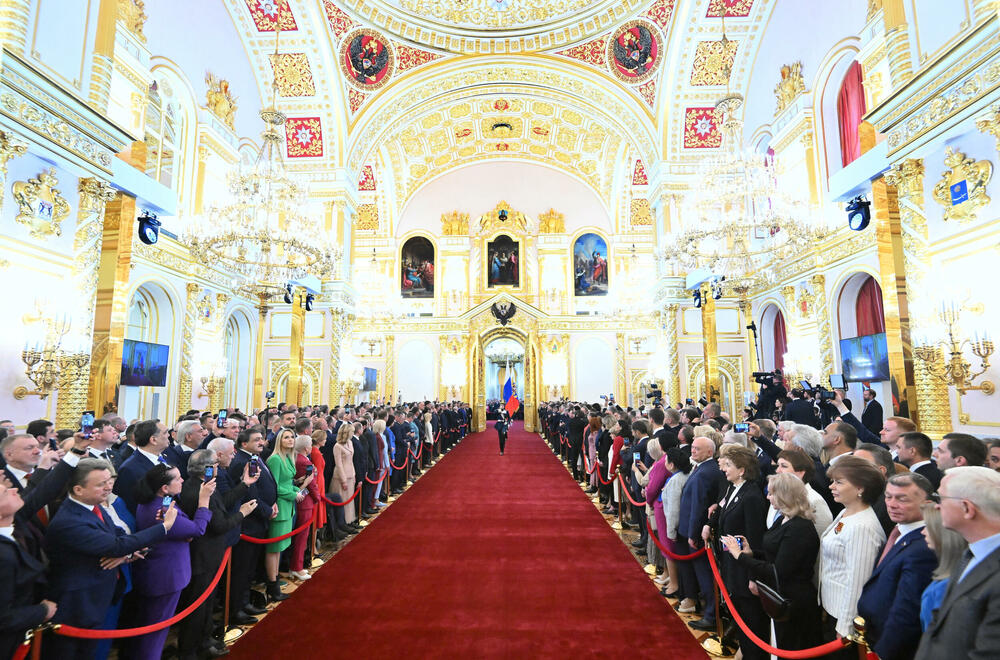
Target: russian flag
x=511 y=403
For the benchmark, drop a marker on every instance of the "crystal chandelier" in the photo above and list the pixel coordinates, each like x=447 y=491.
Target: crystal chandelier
x=742 y=223
x=264 y=233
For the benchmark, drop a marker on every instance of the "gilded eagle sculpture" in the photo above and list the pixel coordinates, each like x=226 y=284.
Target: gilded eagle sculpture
x=503 y=312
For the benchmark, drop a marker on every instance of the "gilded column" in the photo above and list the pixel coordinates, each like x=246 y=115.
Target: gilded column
x=621 y=387
x=897 y=41
x=10 y=147
x=258 y=360
x=184 y=386
x=983 y=9
x=746 y=314
x=14 y=25
x=103 y=57
x=390 y=368
x=341 y=330
x=530 y=381
x=673 y=361
x=297 y=348
x=710 y=345
x=932 y=411
x=822 y=316
x=94 y=195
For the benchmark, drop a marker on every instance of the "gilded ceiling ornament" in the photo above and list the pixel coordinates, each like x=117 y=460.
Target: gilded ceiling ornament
x=729 y=8
x=367 y=181
x=340 y=23
x=593 y=52
x=639 y=177
x=367 y=218
x=219 y=100
x=408 y=57
x=267 y=15
x=10 y=147
x=642 y=213
x=292 y=74
x=132 y=13
x=712 y=62
x=551 y=222
x=648 y=92
x=42 y=208
x=303 y=137
x=455 y=224
x=791 y=86
x=502 y=217
x=367 y=59
x=633 y=51
x=494 y=13
x=962 y=191
x=701 y=129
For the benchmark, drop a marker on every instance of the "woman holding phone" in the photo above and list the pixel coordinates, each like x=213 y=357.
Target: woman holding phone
x=166 y=570
x=282 y=466
x=305 y=508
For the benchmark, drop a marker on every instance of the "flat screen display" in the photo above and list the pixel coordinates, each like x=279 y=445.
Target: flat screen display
x=371 y=376
x=144 y=364
x=865 y=358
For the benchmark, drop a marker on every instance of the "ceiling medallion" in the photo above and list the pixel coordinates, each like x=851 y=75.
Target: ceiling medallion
x=367 y=59
x=633 y=52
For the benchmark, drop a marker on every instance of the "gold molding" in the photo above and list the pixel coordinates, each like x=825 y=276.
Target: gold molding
x=975 y=174
x=42 y=207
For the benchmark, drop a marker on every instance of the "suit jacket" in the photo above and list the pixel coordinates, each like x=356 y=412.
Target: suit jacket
x=669 y=434
x=967 y=625
x=177 y=457
x=800 y=411
x=871 y=418
x=744 y=515
x=132 y=470
x=931 y=471
x=207 y=550
x=22 y=581
x=577 y=425
x=44 y=487
x=791 y=549
x=167 y=567
x=372 y=454
x=360 y=458
x=864 y=434
x=121 y=453
x=701 y=484
x=265 y=491
x=76 y=541
x=890 y=600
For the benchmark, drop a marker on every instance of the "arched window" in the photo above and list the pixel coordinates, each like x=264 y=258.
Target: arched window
x=164 y=135
x=850 y=110
x=868 y=308
x=780 y=340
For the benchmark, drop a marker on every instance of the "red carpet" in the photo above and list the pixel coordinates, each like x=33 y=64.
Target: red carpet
x=486 y=556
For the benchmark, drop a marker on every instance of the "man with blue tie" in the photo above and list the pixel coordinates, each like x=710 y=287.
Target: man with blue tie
x=890 y=600
x=150 y=441
x=85 y=549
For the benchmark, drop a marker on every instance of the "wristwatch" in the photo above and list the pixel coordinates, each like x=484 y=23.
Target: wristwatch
x=78 y=451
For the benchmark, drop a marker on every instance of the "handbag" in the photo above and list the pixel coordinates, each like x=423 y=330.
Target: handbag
x=777 y=606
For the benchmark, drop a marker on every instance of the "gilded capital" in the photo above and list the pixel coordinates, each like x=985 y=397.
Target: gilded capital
x=94 y=194
x=991 y=124
x=907 y=177
x=10 y=147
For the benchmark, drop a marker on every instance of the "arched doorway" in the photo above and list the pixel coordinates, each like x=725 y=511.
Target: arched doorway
x=504 y=360
x=773 y=338
x=239 y=357
x=151 y=318
x=860 y=313
x=526 y=372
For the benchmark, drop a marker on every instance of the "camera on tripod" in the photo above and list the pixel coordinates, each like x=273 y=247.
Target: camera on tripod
x=656 y=394
x=766 y=377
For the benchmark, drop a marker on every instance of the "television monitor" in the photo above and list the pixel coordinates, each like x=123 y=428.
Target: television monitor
x=371 y=375
x=865 y=358
x=144 y=364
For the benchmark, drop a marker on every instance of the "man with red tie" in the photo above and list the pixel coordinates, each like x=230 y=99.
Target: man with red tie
x=890 y=600
x=85 y=549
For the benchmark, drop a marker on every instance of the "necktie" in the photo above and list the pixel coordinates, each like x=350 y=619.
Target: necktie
x=97 y=512
x=963 y=565
x=891 y=541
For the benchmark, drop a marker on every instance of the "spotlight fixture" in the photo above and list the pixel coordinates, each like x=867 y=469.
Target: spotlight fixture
x=697 y=299
x=858 y=213
x=502 y=214
x=716 y=290
x=288 y=294
x=149 y=228
x=309 y=302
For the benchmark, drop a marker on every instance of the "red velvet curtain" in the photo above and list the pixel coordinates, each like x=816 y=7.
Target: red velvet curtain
x=780 y=341
x=868 y=308
x=850 y=110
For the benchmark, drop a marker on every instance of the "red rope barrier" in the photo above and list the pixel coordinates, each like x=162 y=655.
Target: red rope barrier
x=420 y=452
x=257 y=541
x=628 y=494
x=385 y=473
x=398 y=467
x=86 y=633
x=668 y=553
x=22 y=651
x=814 y=652
x=351 y=499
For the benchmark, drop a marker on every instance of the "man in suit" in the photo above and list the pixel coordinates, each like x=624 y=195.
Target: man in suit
x=800 y=410
x=85 y=549
x=914 y=451
x=246 y=556
x=957 y=449
x=190 y=433
x=369 y=443
x=102 y=441
x=150 y=441
x=501 y=425
x=967 y=624
x=871 y=417
x=44 y=433
x=576 y=426
x=881 y=458
x=839 y=439
x=890 y=600
x=696 y=497
x=892 y=428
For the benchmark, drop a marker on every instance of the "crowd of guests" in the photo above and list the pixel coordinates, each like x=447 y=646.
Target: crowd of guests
x=812 y=524
x=126 y=524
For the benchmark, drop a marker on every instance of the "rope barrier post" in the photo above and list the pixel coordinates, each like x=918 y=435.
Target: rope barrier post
x=225 y=609
x=36 y=646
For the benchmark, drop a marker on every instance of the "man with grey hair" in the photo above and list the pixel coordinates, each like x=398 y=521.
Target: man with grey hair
x=810 y=441
x=189 y=435
x=967 y=624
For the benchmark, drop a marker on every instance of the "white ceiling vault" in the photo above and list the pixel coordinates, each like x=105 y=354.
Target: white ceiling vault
x=447 y=83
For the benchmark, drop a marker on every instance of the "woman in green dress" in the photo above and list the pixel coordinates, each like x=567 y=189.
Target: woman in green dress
x=282 y=465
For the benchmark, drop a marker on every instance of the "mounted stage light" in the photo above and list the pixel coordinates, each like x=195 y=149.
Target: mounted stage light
x=309 y=302
x=697 y=298
x=858 y=213
x=149 y=228
x=288 y=294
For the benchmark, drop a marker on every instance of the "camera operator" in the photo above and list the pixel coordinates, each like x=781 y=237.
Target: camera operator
x=772 y=387
x=656 y=394
x=800 y=410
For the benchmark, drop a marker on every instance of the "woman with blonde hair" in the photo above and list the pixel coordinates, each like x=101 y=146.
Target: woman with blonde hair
x=305 y=508
x=378 y=428
x=785 y=560
x=949 y=546
x=343 y=480
x=428 y=439
x=282 y=466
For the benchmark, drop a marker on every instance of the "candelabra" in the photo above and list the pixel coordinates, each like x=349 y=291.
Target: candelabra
x=47 y=367
x=957 y=371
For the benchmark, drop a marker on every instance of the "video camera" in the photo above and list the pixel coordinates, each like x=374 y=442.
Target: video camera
x=767 y=377
x=818 y=392
x=656 y=394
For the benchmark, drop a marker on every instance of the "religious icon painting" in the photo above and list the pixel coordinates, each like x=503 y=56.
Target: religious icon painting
x=590 y=265
x=417 y=268
x=634 y=52
x=503 y=262
x=367 y=59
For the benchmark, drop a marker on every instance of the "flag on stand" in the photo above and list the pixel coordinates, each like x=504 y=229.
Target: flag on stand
x=511 y=403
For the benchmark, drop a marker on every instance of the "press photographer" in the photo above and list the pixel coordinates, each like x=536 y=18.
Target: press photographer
x=772 y=387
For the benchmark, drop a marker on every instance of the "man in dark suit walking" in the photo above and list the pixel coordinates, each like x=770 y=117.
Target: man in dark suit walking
x=85 y=549
x=890 y=600
x=967 y=624
x=871 y=417
x=150 y=441
x=696 y=497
